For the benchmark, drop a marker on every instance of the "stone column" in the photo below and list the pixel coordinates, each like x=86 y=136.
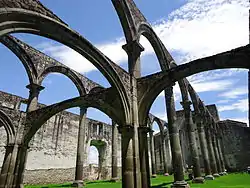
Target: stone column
x=204 y=148
x=127 y=156
x=164 y=153
x=216 y=151
x=34 y=90
x=179 y=181
x=134 y=49
x=114 y=175
x=220 y=144
x=8 y=167
x=192 y=142
x=80 y=149
x=211 y=152
x=152 y=153
x=144 y=158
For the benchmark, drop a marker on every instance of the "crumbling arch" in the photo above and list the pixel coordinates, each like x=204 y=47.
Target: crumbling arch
x=12 y=45
x=229 y=59
x=99 y=101
x=66 y=72
x=26 y=21
x=161 y=52
x=9 y=127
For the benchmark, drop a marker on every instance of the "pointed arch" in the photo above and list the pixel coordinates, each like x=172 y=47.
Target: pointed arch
x=9 y=127
x=11 y=43
x=25 y=21
x=66 y=72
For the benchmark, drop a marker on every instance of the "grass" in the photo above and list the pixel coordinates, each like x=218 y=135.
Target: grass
x=230 y=181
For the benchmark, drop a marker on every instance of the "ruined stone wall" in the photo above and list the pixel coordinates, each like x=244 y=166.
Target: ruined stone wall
x=236 y=144
x=53 y=148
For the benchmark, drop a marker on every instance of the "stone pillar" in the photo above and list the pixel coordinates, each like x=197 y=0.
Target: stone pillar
x=80 y=149
x=134 y=49
x=179 y=181
x=220 y=145
x=164 y=153
x=34 y=90
x=144 y=158
x=8 y=167
x=114 y=175
x=216 y=151
x=204 y=148
x=127 y=156
x=152 y=153
x=211 y=152
x=192 y=142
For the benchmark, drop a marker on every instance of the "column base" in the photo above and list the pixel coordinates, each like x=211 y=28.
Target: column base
x=209 y=177
x=180 y=184
x=216 y=175
x=114 y=179
x=166 y=174
x=198 y=180
x=221 y=174
x=153 y=176
x=224 y=173
x=77 y=183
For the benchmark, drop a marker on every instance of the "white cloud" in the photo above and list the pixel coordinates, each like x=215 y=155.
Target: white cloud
x=240 y=105
x=234 y=93
x=197 y=29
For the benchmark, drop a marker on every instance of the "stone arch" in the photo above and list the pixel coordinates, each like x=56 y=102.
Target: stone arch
x=9 y=127
x=16 y=19
x=161 y=52
x=130 y=17
x=66 y=72
x=102 y=148
x=159 y=123
x=99 y=101
x=236 y=58
x=18 y=50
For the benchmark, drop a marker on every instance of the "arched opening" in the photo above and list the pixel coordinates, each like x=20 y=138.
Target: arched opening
x=149 y=60
x=99 y=155
x=12 y=71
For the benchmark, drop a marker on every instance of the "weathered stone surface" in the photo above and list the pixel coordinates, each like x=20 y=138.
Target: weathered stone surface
x=33 y=5
x=54 y=145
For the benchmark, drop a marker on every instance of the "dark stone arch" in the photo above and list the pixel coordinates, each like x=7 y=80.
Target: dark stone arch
x=9 y=127
x=66 y=72
x=96 y=90
x=159 y=123
x=101 y=101
x=11 y=44
x=19 y=20
x=130 y=18
x=156 y=83
x=160 y=50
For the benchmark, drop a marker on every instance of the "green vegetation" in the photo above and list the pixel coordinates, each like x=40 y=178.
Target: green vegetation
x=229 y=181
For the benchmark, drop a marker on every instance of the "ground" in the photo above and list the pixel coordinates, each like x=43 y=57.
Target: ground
x=238 y=180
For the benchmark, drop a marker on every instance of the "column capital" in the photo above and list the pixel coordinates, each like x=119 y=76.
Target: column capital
x=144 y=129
x=35 y=87
x=129 y=129
x=133 y=47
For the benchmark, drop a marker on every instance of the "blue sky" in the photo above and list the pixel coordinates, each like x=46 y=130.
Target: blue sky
x=189 y=29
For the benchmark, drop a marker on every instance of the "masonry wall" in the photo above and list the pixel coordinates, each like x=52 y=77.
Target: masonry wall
x=236 y=142
x=52 y=153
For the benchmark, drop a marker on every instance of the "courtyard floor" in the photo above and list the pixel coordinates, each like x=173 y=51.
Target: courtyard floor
x=230 y=181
